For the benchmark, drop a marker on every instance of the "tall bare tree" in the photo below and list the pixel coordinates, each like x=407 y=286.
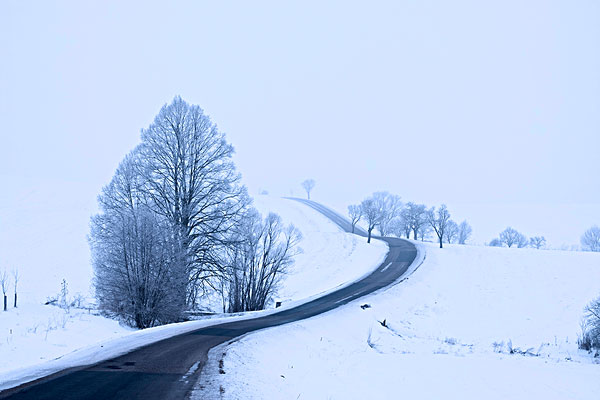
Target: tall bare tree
x=590 y=240
x=264 y=251
x=355 y=213
x=388 y=206
x=371 y=215
x=464 y=232
x=192 y=182
x=308 y=185
x=438 y=220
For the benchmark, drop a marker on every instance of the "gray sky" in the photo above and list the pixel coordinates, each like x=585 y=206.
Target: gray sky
x=493 y=109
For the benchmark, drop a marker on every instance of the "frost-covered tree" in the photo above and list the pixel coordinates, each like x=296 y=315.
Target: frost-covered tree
x=136 y=257
x=170 y=211
x=264 y=251
x=424 y=232
x=511 y=237
x=464 y=232
x=400 y=227
x=590 y=240
x=308 y=185
x=371 y=214
x=537 y=242
x=590 y=338
x=355 y=214
x=451 y=232
x=388 y=206
x=438 y=220
x=414 y=216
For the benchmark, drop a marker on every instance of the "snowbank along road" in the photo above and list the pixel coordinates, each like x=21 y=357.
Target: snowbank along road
x=168 y=369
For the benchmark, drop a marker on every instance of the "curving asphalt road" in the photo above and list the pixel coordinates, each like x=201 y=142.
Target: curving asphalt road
x=169 y=369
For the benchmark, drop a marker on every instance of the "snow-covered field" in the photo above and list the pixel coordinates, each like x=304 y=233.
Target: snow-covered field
x=449 y=333
x=33 y=336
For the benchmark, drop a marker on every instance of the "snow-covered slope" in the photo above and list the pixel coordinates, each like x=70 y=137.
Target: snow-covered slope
x=449 y=333
x=34 y=333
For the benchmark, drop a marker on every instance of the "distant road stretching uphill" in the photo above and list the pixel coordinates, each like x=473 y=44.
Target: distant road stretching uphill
x=169 y=369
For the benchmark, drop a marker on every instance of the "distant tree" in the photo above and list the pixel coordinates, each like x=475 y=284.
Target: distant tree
x=424 y=232
x=451 y=231
x=400 y=227
x=464 y=232
x=371 y=214
x=537 y=242
x=308 y=185
x=511 y=237
x=414 y=217
x=438 y=220
x=4 y=286
x=591 y=239
x=495 y=243
x=16 y=278
x=355 y=213
x=265 y=250
x=388 y=206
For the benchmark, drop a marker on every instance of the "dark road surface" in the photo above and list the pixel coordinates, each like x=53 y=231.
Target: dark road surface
x=169 y=369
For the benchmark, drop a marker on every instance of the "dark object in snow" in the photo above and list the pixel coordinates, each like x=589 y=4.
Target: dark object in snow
x=365 y=306
x=383 y=323
x=51 y=302
x=277 y=304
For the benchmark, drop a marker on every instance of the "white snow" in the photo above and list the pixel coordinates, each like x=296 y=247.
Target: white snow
x=450 y=328
x=37 y=340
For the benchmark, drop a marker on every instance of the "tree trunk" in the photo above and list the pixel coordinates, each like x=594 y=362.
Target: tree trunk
x=415 y=234
x=15 y=299
x=5 y=303
x=369 y=238
x=308 y=194
x=352 y=228
x=441 y=242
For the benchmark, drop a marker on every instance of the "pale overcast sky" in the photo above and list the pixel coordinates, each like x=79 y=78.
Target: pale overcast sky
x=490 y=107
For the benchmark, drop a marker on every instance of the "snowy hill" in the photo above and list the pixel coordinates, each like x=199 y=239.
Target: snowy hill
x=34 y=333
x=471 y=322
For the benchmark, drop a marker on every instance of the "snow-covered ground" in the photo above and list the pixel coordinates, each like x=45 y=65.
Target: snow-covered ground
x=36 y=339
x=449 y=333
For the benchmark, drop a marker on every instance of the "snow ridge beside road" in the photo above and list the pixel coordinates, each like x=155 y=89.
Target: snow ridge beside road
x=470 y=323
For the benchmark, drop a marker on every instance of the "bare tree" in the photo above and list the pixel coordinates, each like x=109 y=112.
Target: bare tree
x=511 y=237
x=355 y=213
x=424 y=232
x=464 y=232
x=439 y=222
x=400 y=227
x=308 y=185
x=371 y=214
x=388 y=206
x=262 y=255
x=4 y=286
x=191 y=181
x=537 y=242
x=590 y=338
x=15 y=274
x=451 y=231
x=414 y=216
x=591 y=239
